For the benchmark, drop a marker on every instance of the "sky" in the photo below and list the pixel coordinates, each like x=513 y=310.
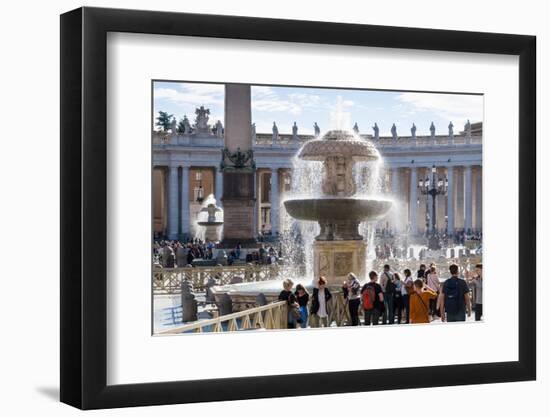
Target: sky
x=330 y=108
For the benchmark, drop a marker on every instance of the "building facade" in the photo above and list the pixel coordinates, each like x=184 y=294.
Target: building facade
x=186 y=169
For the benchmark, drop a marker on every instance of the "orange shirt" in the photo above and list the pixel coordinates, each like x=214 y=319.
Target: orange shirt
x=420 y=306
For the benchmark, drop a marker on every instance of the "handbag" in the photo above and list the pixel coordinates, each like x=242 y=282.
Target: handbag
x=295 y=310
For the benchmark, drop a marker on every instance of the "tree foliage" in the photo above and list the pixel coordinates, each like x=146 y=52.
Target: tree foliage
x=164 y=121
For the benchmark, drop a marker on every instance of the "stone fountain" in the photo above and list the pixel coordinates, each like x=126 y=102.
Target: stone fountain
x=339 y=248
x=213 y=220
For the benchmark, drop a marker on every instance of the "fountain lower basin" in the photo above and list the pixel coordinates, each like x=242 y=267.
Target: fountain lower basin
x=338 y=209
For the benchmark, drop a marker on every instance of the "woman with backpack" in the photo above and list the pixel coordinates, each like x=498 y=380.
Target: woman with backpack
x=373 y=300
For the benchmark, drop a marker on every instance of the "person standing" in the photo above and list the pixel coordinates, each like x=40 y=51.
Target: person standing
x=421 y=273
x=455 y=297
x=373 y=300
x=351 y=289
x=476 y=284
x=432 y=281
x=302 y=297
x=320 y=299
x=388 y=288
x=287 y=295
x=398 y=297
x=420 y=298
x=406 y=287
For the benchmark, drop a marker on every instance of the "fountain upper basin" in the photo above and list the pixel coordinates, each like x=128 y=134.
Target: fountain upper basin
x=336 y=209
x=339 y=143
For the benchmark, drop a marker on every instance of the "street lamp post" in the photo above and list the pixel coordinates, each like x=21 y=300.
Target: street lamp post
x=433 y=187
x=200 y=192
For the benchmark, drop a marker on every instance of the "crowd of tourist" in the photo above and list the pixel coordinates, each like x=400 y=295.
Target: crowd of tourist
x=389 y=298
x=174 y=253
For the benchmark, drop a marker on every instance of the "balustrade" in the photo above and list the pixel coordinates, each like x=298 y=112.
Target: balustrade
x=271 y=316
x=168 y=281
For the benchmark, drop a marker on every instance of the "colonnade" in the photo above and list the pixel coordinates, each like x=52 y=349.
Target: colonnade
x=459 y=209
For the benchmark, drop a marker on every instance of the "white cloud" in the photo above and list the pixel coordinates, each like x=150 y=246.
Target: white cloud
x=268 y=99
x=453 y=107
x=193 y=94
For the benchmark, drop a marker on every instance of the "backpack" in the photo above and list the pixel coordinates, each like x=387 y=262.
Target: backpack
x=390 y=285
x=369 y=295
x=453 y=296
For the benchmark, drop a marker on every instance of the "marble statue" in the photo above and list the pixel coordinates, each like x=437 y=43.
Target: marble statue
x=219 y=129
x=376 y=131
x=468 y=131
x=201 y=120
x=432 y=130
x=394 y=131
x=294 y=131
x=275 y=131
x=316 y=129
x=356 y=128
x=186 y=125
x=451 y=129
x=253 y=132
x=413 y=131
x=173 y=126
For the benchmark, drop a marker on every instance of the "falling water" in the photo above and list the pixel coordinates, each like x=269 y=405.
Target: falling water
x=369 y=183
x=298 y=236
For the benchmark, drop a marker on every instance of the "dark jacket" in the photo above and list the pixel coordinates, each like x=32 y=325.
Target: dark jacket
x=287 y=296
x=315 y=299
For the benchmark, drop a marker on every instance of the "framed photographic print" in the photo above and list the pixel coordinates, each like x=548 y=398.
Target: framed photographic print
x=258 y=198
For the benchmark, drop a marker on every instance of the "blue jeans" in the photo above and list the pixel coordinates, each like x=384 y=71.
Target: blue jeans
x=303 y=316
x=388 y=315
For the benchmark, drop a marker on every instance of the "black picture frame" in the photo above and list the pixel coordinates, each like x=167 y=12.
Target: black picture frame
x=84 y=207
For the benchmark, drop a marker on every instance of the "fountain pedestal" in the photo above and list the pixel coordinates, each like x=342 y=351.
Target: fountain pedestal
x=335 y=259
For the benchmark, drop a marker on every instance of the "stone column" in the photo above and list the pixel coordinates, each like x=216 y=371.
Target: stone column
x=395 y=194
x=238 y=180
x=274 y=201
x=450 y=201
x=413 y=216
x=467 y=197
x=459 y=198
x=479 y=199
x=185 y=212
x=441 y=205
x=173 y=202
x=218 y=193
x=430 y=199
